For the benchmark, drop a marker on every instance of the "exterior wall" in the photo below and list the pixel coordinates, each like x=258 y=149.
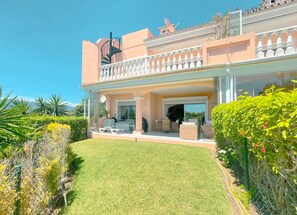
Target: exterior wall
x=91 y=60
x=133 y=44
x=232 y=49
x=227 y=58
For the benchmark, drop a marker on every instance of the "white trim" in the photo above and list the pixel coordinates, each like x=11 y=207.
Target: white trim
x=235 y=89
x=228 y=89
x=221 y=91
x=231 y=88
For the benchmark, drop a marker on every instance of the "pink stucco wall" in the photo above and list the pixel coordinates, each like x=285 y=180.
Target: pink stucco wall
x=133 y=44
x=91 y=60
x=230 y=50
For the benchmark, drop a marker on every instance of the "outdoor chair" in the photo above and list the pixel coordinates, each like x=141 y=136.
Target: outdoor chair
x=207 y=130
x=108 y=125
x=165 y=125
x=174 y=126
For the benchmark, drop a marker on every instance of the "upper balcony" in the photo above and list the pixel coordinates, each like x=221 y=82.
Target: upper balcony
x=159 y=63
x=244 y=47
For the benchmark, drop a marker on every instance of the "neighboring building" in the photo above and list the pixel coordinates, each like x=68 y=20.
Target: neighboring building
x=185 y=71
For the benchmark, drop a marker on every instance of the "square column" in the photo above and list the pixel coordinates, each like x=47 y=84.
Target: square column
x=138 y=116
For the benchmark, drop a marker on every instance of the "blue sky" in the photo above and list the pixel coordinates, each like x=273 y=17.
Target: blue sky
x=40 y=41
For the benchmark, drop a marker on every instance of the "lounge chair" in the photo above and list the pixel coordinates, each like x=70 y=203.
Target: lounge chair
x=117 y=130
x=108 y=125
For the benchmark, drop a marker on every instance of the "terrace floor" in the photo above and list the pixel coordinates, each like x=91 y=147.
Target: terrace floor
x=160 y=137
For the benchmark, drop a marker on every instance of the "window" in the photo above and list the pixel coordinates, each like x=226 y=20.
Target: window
x=257 y=84
x=126 y=110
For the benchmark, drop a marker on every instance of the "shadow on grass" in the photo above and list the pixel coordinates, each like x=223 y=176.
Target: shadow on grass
x=75 y=165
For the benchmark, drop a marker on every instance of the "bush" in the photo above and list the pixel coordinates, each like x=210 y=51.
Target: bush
x=8 y=194
x=270 y=124
x=78 y=125
x=43 y=166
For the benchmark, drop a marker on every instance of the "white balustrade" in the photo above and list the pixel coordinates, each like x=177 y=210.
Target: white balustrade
x=153 y=65
x=168 y=68
x=159 y=63
x=174 y=62
x=186 y=63
x=278 y=42
x=180 y=66
x=163 y=69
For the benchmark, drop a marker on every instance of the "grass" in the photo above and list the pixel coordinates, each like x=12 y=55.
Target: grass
x=125 y=177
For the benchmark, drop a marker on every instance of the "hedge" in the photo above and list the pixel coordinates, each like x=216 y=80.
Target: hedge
x=78 y=125
x=269 y=122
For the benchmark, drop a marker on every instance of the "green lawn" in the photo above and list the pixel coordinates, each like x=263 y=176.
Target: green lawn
x=125 y=177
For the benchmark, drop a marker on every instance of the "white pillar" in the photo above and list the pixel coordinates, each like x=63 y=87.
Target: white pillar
x=89 y=107
x=228 y=99
x=231 y=88
x=220 y=91
x=85 y=104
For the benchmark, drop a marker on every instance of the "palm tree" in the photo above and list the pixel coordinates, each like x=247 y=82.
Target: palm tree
x=22 y=104
x=12 y=121
x=57 y=105
x=42 y=106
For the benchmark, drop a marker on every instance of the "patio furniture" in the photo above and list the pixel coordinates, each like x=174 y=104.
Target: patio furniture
x=189 y=131
x=207 y=130
x=165 y=125
x=108 y=124
x=117 y=130
x=174 y=126
x=127 y=125
x=158 y=125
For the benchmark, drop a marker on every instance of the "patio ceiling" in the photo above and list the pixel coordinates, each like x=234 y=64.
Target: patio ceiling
x=182 y=89
x=197 y=86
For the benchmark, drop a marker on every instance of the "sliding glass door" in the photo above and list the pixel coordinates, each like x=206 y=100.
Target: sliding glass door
x=195 y=113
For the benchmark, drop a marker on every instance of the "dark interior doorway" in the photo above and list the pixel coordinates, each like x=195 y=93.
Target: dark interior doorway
x=176 y=112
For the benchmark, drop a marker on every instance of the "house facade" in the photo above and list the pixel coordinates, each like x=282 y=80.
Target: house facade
x=180 y=74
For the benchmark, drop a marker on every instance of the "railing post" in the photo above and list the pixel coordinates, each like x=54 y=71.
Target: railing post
x=18 y=173
x=246 y=163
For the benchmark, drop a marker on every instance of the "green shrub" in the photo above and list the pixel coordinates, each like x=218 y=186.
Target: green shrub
x=78 y=125
x=269 y=122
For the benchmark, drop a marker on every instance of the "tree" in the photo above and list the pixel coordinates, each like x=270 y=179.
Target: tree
x=79 y=110
x=103 y=112
x=219 y=26
x=42 y=106
x=13 y=124
x=57 y=106
x=23 y=105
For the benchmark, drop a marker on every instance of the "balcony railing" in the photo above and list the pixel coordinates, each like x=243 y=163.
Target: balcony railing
x=153 y=64
x=277 y=42
x=271 y=43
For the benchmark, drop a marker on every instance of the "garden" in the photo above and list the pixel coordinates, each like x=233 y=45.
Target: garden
x=35 y=155
x=257 y=139
x=127 y=177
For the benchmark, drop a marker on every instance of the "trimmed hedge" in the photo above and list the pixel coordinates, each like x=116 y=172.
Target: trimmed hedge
x=78 y=125
x=269 y=122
